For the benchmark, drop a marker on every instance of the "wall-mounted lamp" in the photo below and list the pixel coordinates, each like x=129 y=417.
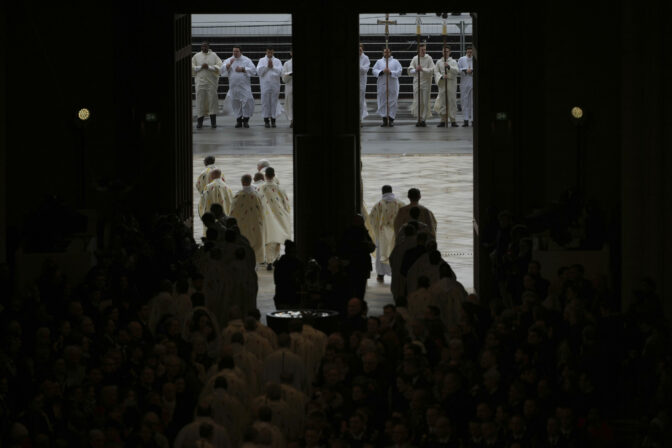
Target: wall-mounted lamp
x=83 y=114
x=577 y=114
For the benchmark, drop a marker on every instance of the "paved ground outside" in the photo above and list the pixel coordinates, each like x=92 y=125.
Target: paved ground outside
x=438 y=161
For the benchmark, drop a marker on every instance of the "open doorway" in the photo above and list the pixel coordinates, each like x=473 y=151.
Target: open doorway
x=240 y=136
x=403 y=154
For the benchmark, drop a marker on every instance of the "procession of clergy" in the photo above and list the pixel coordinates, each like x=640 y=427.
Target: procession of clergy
x=207 y=67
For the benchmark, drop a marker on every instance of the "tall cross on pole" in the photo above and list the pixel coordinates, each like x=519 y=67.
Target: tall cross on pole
x=444 y=32
x=387 y=22
x=418 y=22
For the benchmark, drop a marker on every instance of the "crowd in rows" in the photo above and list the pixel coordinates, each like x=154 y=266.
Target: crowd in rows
x=136 y=356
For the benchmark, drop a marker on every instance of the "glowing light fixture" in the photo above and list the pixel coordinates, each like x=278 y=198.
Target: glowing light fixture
x=83 y=114
x=577 y=112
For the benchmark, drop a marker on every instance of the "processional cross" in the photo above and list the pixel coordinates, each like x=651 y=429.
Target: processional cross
x=444 y=32
x=387 y=22
x=418 y=22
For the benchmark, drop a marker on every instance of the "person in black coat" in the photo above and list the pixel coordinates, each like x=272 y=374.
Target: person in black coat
x=355 y=248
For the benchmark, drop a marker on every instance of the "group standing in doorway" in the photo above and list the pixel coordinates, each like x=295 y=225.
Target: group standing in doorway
x=446 y=72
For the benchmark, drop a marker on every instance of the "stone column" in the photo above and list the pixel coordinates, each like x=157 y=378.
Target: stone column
x=326 y=123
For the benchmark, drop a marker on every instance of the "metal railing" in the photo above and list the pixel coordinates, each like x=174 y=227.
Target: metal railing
x=402 y=45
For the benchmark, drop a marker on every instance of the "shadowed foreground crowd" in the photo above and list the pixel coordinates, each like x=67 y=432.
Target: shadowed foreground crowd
x=553 y=364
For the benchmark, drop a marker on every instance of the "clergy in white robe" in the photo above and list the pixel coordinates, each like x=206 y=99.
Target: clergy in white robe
x=269 y=70
x=205 y=67
x=426 y=265
x=297 y=401
x=305 y=348
x=445 y=75
x=238 y=384
x=247 y=362
x=387 y=71
x=248 y=209
x=422 y=68
x=288 y=79
x=281 y=415
x=268 y=434
x=382 y=221
x=284 y=366
x=262 y=164
x=466 y=66
x=228 y=411
x=264 y=330
x=364 y=66
x=398 y=283
x=244 y=283
x=216 y=192
x=239 y=69
x=204 y=177
x=448 y=294
x=277 y=227
x=190 y=434
x=258 y=180
x=420 y=299
x=424 y=214
x=317 y=337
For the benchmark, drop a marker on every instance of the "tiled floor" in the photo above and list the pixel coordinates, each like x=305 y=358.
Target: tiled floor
x=437 y=161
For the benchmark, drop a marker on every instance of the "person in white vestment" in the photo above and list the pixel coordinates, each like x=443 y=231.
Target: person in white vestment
x=264 y=330
x=421 y=69
x=276 y=217
x=305 y=348
x=268 y=434
x=387 y=71
x=246 y=361
x=398 y=283
x=244 y=282
x=466 y=66
x=262 y=164
x=239 y=69
x=418 y=301
x=382 y=221
x=205 y=67
x=258 y=180
x=448 y=294
x=364 y=66
x=284 y=366
x=445 y=75
x=281 y=415
x=228 y=411
x=255 y=342
x=269 y=70
x=248 y=209
x=426 y=265
x=234 y=325
x=190 y=433
x=426 y=216
x=204 y=177
x=216 y=192
x=288 y=79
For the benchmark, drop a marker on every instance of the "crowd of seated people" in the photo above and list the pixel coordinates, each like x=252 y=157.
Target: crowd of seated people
x=134 y=357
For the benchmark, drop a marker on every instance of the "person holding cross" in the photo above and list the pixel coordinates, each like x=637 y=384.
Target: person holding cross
x=387 y=71
x=364 y=65
x=421 y=69
x=466 y=66
x=445 y=74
